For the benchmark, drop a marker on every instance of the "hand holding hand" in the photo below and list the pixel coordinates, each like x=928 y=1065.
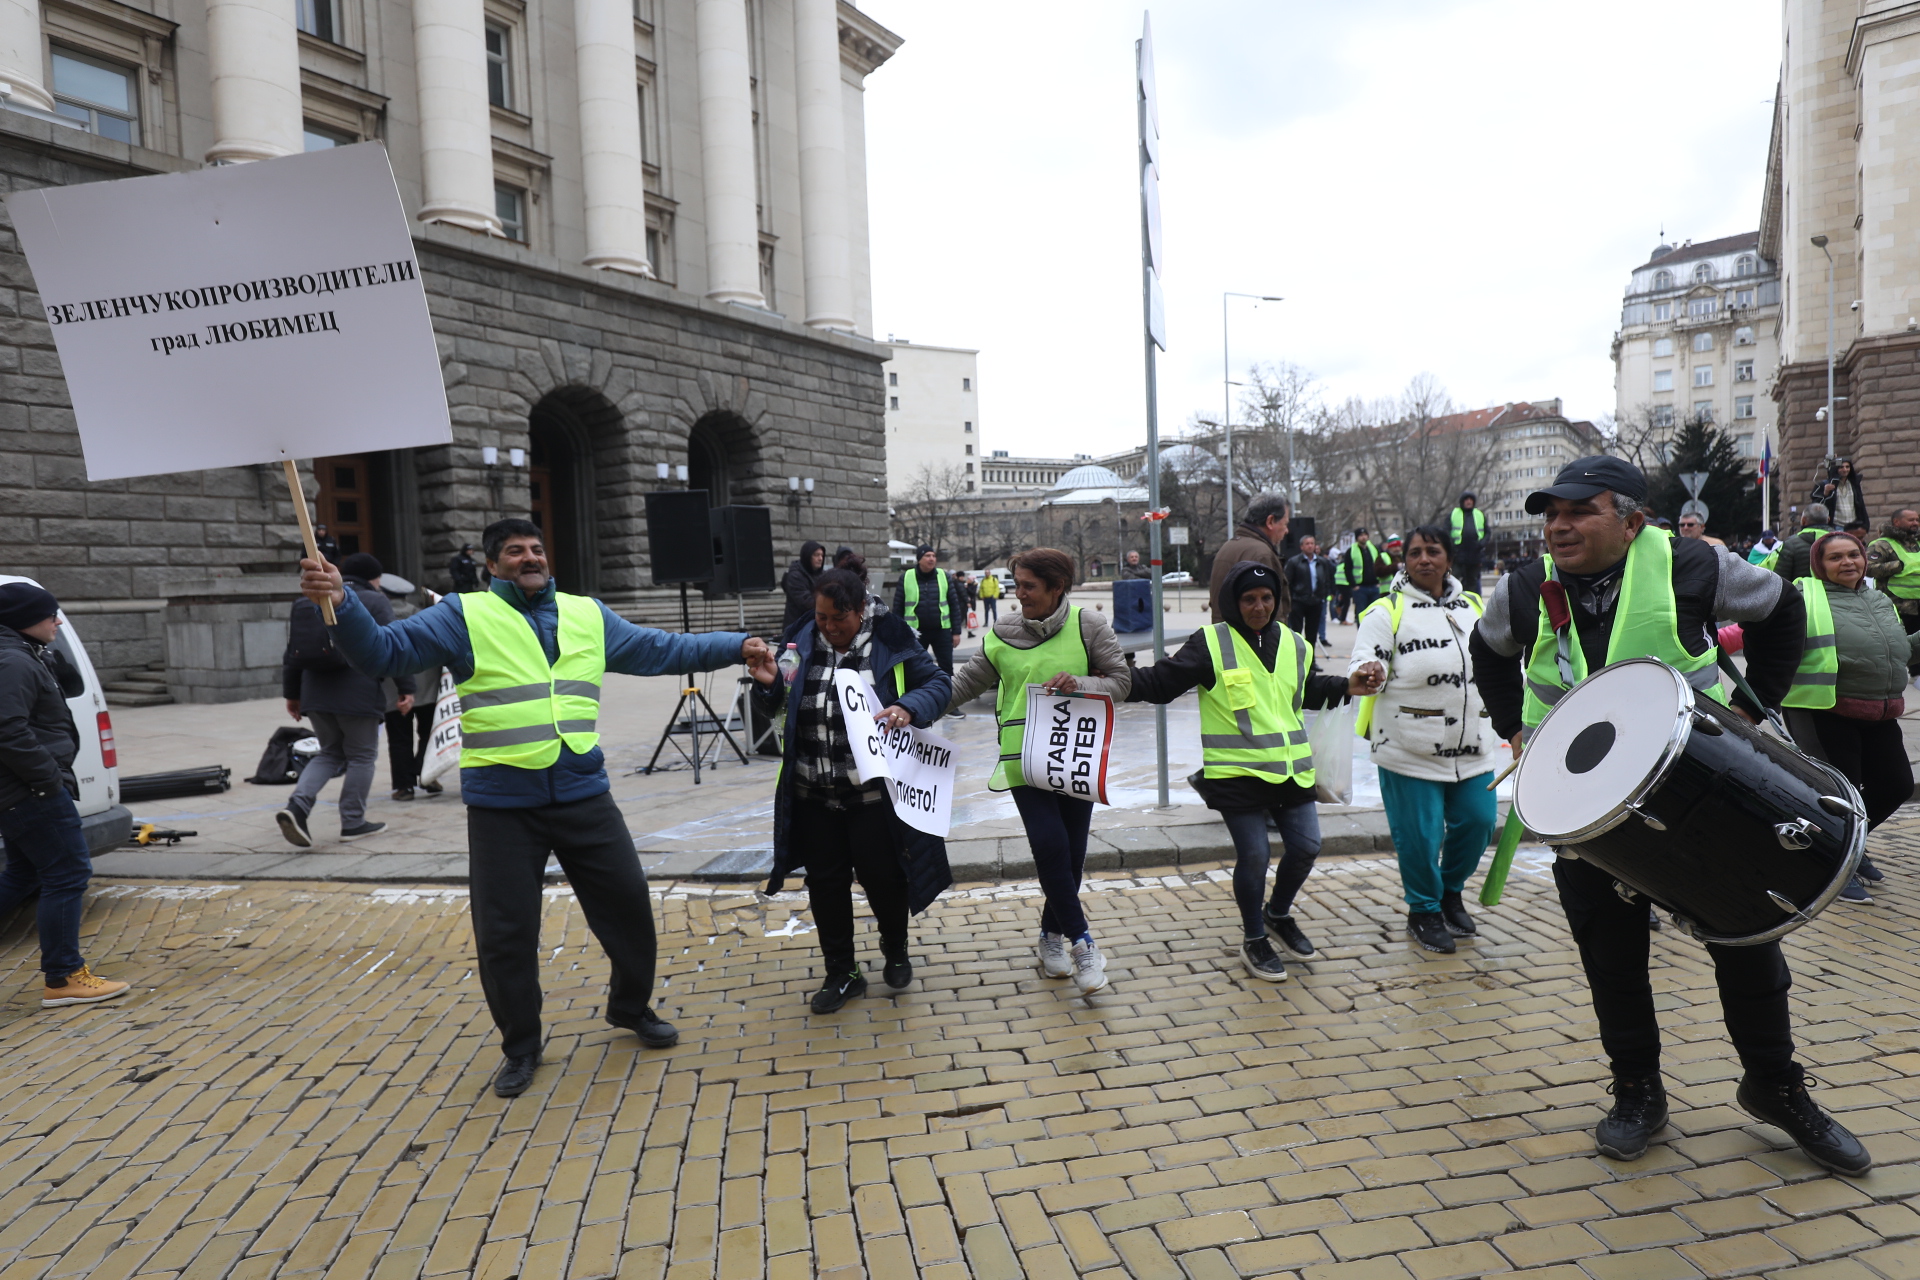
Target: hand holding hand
x=1062 y=683
x=758 y=655
x=894 y=717
x=320 y=582
x=1367 y=679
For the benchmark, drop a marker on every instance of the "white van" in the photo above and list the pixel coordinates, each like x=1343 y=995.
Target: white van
x=105 y=821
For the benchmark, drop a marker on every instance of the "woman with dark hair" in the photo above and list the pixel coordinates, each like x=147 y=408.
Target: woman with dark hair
x=824 y=818
x=1840 y=491
x=1063 y=647
x=1256 y=678
x=856 y=564
x=1850 y=691
x=1432 y=741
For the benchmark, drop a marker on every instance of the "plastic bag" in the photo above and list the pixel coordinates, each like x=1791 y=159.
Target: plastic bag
x=1331 y=738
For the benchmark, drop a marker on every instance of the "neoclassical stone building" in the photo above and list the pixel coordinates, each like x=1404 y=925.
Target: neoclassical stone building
x=1846 y=138
x=642 y=225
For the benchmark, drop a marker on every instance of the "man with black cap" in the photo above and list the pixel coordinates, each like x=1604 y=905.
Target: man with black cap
x=1601 y=548
x=464 y=569
x=1469 y=530
x=46 y=852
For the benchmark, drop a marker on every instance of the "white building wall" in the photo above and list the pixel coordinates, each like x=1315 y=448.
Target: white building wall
x=933 y=415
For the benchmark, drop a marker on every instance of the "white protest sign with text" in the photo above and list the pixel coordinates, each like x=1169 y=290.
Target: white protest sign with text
x=443 y=745
x=1065 y=745
x=918 y=766
x=237 y=314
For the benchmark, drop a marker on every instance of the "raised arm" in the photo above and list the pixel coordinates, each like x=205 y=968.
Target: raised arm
x=645 y=651
x=434 y=637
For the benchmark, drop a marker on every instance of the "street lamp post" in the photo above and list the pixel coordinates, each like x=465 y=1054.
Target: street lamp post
x=1226 y=399
x=1820 y=243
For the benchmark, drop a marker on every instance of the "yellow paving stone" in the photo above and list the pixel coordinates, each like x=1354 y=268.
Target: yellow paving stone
x=1824 y=1237
x=1454 y=1261
x=1725 y=1217
x=1737 y=1254
x=1548 y=1244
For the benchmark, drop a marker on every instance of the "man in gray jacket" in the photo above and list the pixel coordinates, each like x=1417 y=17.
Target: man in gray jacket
x=46 y=852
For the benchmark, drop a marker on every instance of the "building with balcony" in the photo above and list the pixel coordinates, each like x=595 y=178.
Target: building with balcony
x=1697 y=342
x=643 y=230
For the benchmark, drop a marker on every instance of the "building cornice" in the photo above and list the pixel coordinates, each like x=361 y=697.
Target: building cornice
x=1771 y=208
x=864 y=43
x=1890 y=23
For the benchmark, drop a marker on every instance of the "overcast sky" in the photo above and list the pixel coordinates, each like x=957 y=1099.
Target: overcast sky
x=1452 y=188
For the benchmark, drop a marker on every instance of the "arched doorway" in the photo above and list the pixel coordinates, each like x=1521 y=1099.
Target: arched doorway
x=720 y=450
x=563 y=490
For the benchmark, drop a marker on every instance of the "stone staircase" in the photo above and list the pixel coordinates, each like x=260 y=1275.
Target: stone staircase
x=141 y=687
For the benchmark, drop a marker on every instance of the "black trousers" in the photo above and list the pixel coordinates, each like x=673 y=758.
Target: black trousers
x=1468 y=571
x=507 y=852
x=1872 y=754
x=407 y=739
x=1614 y=942
x=938 y=641
x=836 y=845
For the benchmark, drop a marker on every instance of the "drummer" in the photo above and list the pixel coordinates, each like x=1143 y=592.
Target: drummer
x=1603 y=549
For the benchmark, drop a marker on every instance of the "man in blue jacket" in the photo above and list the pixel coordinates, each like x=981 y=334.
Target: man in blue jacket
x=528 y=661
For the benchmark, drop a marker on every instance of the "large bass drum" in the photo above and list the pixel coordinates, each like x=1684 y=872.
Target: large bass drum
x=1742 y=838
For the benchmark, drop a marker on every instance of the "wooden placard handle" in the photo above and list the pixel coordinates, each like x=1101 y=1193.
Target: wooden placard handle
x=306 y=528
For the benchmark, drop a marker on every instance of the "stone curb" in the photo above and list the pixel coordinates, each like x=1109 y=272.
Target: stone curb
x=1361 y=834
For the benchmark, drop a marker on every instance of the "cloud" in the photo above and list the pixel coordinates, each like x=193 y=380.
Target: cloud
x=1456 y=188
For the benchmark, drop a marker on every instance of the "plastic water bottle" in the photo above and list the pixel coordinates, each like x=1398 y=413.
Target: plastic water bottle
x=789 y=663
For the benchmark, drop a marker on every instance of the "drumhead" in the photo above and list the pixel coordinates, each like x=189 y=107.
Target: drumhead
x=1599 y=746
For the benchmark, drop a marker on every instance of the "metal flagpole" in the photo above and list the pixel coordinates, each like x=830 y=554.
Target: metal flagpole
x=1149 y=122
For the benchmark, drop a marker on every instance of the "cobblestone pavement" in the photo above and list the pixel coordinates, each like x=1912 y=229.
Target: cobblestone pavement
x=298 y=1088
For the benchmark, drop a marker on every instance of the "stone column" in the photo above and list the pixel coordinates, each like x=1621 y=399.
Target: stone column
x=726 y=153
x=823 y=164
x=22 y=56
x=616 y=189
x=253 y=53
x=456 y=124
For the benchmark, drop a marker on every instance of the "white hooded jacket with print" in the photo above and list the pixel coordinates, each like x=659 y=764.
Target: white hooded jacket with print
x=1427 y=720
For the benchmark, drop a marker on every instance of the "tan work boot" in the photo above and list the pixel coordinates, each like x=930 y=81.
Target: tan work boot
x=81 y=987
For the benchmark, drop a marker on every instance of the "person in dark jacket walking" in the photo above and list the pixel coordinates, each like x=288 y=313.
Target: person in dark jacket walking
x=346 y=709
x=1266 y=767
x=529 y=661
x=828 y=821
x=797 y=585
x=1309 y=583
x=464 y=569
x=46 y=851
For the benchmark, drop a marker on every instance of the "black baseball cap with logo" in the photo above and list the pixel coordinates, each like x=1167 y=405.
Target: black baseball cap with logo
x=1586 y=477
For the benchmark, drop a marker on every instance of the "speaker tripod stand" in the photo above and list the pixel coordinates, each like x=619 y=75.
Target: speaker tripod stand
x=687 y=719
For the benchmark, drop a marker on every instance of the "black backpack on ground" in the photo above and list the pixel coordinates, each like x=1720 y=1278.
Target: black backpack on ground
x=310 y=641
x=277 y=766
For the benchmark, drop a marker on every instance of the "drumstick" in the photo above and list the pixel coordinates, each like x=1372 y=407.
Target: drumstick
x=1504 y=774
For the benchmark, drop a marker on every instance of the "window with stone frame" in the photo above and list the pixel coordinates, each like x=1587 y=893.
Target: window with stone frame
x=1703 y=411
x=1743 y=406
x=1702 y=273
x=1662 y=415
x=510 y=206
x=1663 y=311
x=1743 y=371
x=1663 y=346
x=319 y=18
x=1743 y=336
x=500 y=66
x=1663 y=280
x=1663 y=379
x=1744 y=265
x=1703 y=341
x=101 y=97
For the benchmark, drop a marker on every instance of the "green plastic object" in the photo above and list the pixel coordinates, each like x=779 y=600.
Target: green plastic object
x=1496 y=882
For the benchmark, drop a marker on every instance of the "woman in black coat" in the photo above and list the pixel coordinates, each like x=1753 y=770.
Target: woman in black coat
x=798 y=584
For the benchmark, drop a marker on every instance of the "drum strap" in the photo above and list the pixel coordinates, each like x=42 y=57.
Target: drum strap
x=1560 y=617
x=1725 y=661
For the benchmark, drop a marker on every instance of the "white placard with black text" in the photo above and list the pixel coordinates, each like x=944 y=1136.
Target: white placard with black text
x=237 y=314
x=1065 y=746
x=443 y=746
x=918 y=766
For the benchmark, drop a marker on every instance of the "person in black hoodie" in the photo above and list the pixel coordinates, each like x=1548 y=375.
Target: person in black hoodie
x=46 y=849
x=798 y=584
x=1266 y=768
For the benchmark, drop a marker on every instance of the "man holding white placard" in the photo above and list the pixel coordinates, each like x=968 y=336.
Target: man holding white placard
x=529 y=661
x=834 y=814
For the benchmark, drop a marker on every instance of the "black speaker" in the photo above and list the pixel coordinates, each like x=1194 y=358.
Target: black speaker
x=742 y=550
x=1298 y=527
x=678 y=542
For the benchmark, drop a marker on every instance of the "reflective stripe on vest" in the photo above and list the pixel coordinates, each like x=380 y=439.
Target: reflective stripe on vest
x=1064 y=650
x=517 y=708
x=912 y=584
x=1250 y=721
x=1815 y=684
x=1646 y=624
x=1904 y=585
x=1479 y=520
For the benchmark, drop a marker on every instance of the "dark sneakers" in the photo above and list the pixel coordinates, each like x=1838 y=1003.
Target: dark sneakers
x=1283 y=928
x=1454 y=912
x=1639 y=1109
x=515 y=1075
x=1870 y=873
x=293 y=826
x=654 y=1031
x=899 y=970
x=364 y=829
x=1784 y=1104
x=837 y=991
x=1429 y=929
x=1262 y=961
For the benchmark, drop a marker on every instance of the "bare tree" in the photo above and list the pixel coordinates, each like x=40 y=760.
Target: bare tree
x=924 y=514
x=1638 y=436
x=1423 y=458
x=1279 y=401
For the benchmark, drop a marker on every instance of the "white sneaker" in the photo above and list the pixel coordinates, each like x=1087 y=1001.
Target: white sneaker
x=1089 y=966
x=1055 y=961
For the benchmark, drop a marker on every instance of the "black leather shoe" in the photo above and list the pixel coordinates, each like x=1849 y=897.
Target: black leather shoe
x=899 y=970
x=654 y=1031
x=514 y=1075
x=837 y=991
x=1784 y=1104
x=1283 y=928
x=1639 y=1109
x=1429 y=929
x=1454 y=912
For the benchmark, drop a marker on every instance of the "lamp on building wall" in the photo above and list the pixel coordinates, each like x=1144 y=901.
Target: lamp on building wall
x=490 y=458
x=796 y=486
